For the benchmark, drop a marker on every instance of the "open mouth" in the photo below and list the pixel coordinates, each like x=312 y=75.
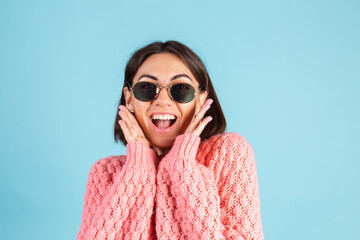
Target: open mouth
x=163 y=121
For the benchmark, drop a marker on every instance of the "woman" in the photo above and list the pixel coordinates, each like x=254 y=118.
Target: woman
x=182 y=177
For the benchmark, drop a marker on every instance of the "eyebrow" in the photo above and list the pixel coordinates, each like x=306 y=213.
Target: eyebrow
x=173 y=78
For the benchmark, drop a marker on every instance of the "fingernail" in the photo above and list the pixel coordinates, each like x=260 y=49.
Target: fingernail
x=211 y=101
x=210 y=119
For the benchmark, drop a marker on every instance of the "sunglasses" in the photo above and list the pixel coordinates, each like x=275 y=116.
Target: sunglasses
x=179 y=92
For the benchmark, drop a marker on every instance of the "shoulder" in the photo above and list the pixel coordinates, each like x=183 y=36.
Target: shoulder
x=228 y=136
x=226 y=150
x=228 y=142
x=105 y=168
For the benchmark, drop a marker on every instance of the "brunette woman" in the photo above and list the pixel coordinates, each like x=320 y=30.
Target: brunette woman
x=182 y=176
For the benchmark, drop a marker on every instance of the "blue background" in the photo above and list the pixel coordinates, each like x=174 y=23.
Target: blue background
x=286 y=74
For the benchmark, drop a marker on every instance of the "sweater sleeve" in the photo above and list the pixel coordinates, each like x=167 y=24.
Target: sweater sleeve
x=192 y=200
x=120 y=205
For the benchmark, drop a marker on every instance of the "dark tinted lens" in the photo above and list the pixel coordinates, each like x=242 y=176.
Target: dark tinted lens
x=144 y=91
x=182 y=92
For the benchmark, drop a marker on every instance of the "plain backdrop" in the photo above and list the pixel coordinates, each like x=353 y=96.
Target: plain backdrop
x=286 y=73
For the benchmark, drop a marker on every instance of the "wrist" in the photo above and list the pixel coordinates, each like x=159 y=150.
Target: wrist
x=139 y=153
x=186 y=145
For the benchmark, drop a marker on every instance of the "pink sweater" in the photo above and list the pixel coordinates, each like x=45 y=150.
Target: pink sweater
x=199 y=190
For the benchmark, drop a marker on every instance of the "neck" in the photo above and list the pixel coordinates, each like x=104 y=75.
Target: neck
x=161 y=151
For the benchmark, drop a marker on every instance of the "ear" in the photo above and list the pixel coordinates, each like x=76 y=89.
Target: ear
x=200 y=101
x=128 y=99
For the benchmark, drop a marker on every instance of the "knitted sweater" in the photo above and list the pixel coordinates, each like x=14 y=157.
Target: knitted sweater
x=199 y=190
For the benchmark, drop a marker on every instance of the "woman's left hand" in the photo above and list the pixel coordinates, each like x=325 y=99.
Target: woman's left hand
x=198 y=123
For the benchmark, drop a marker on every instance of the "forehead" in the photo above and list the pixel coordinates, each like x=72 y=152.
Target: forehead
x=163 y=66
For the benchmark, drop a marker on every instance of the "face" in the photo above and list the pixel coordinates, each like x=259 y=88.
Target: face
x=164 y=69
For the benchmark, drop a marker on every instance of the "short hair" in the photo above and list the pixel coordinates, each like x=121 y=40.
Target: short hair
x=197 y=68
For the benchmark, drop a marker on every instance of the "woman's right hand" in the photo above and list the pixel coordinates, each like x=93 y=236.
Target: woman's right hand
x=130 y=127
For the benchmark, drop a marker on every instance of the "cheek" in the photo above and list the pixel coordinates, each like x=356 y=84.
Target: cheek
x=187 y=114
x=140 y=109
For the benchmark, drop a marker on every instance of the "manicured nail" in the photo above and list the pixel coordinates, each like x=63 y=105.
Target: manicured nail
x=211 y=101
x=210 y=119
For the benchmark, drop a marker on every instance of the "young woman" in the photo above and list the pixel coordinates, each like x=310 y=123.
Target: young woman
x=182 y=177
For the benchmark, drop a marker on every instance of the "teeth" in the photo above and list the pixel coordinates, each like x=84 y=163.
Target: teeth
x=163 y=116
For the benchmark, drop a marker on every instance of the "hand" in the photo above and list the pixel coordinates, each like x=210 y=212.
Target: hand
x=198 y=123
x=130 y=127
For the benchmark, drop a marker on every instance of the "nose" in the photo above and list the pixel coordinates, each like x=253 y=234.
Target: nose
x=163 y=97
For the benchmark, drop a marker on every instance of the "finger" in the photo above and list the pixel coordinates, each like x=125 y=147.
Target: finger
x=127 y=123
x=200 y=115
x=202 y=125
x=124 y=117
x=132 y=124
x=129 y=116
x=203 y=109
x=126 y=131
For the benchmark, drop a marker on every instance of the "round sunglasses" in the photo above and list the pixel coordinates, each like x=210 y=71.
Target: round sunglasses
x=179 y=92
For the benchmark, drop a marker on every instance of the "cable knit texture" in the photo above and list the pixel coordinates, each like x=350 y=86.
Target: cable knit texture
x=199 y=190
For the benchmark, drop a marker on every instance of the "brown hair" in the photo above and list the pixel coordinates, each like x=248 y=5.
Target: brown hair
x=197 y=68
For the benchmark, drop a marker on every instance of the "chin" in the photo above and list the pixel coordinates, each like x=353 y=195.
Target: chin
x=163 y=143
